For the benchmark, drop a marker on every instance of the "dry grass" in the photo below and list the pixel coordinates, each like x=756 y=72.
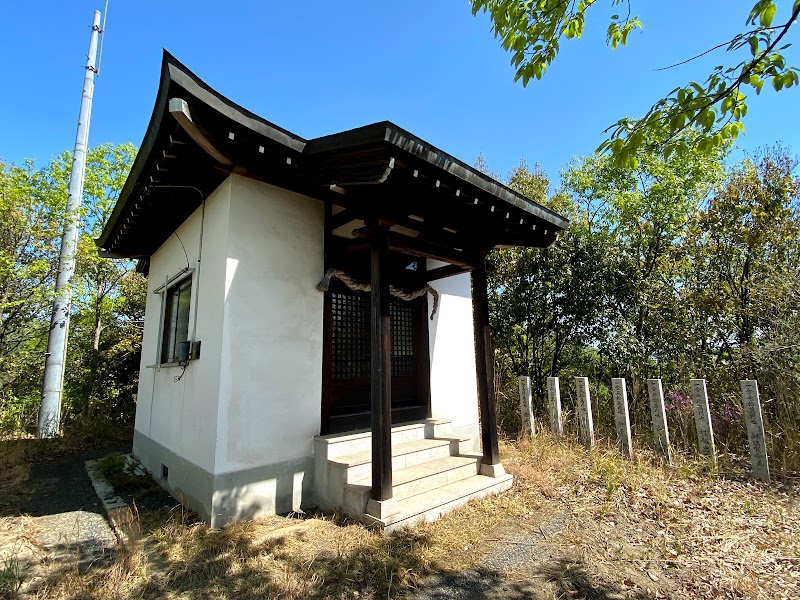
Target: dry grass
x=597 y=526
x=14 y=468
x=693 y=533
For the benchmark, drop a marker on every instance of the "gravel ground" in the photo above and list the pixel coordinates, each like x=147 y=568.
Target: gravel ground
x=76 y=537
x=512 y=550
x=62 y=515
x=517 y=550
x=472 y=585
x=62 y=485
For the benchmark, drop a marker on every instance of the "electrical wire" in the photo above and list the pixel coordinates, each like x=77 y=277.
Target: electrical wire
x=200 y=246
x=188 y=265
x=177 y=378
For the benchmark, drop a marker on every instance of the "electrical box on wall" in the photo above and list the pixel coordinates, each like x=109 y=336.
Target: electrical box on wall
x=184 y=351
x=188 y=350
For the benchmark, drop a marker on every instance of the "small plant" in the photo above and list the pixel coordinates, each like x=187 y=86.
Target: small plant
x=120 y=474
x=111 y=465
x=608 y=473
x=11 y=577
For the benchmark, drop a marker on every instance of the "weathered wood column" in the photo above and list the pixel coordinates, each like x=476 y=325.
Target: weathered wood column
x=484 y=363
x=381 y=370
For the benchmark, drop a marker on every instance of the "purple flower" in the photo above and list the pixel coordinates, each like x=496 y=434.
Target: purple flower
x=677 y=402
x=722 y=420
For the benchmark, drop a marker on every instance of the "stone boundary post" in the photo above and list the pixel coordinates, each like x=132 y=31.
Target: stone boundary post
x=655 y=393
x=554 y=407
x=702 y=418
x=755 y=429
x=621 y=416
x=526 y=404
x=585 y=411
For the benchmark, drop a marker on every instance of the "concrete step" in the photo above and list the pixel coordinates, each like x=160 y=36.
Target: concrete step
x=358 y=466
x=459 y=444
x=336 y=445
x=431 y=505
x=413 y=480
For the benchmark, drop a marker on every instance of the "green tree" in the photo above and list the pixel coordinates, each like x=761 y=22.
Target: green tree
x=532 y=32
x=605 y=300
x=107 y=296
x=645 y=214
x=739 y=290
x=546 y=304
x=98 y=280
x=748 y=235
x=29 y=231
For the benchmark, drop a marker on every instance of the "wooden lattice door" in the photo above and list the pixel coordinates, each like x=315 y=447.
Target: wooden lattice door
x=346 y=401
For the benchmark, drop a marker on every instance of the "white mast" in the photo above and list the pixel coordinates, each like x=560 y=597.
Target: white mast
x=50 y=412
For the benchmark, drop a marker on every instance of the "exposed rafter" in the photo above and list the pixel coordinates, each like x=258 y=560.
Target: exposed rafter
x=179 y=109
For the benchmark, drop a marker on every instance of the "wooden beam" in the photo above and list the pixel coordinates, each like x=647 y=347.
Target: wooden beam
x=416 y=247
x=327 y=332
x=484 y=363
x=367 y=171
x=445 y=271
x=355 y=248
x=341 y=218
x=426 y=228
x=381 y=367
x=392 y=209
x=441 y=211
x=179 y=109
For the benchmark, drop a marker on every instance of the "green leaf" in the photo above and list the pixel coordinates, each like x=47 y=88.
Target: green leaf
x=768 y=14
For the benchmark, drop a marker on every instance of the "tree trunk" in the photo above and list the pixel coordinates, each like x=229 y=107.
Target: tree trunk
x=94 y=363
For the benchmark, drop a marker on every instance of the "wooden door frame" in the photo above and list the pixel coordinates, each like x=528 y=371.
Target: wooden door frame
x=421 y=354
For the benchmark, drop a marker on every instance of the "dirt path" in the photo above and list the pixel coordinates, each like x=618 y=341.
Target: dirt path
x=55 y=519
x=535 y=562
x=62 y=486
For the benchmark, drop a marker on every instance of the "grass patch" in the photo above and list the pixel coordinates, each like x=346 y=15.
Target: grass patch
x=11 y=577
x=119 y=473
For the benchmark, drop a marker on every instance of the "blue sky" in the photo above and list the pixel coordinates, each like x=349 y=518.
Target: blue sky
x=321 y=67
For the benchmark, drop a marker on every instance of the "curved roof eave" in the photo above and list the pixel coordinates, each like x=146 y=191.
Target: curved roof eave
x=175 y=72
x=176 y=79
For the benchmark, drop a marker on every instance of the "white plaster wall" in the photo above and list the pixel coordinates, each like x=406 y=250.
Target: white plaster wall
x=271 y=376
x=182 y=416
x=454 y=391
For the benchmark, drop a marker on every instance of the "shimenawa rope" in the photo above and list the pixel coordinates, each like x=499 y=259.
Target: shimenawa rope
x=360 y=286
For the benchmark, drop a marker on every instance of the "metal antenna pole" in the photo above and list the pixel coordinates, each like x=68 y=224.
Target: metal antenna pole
x=50 y=411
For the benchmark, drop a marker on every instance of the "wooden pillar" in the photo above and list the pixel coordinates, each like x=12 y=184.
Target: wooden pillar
x=381 y=368
x=484 y=362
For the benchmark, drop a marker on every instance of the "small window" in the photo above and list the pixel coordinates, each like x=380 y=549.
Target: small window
x=176 y=320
